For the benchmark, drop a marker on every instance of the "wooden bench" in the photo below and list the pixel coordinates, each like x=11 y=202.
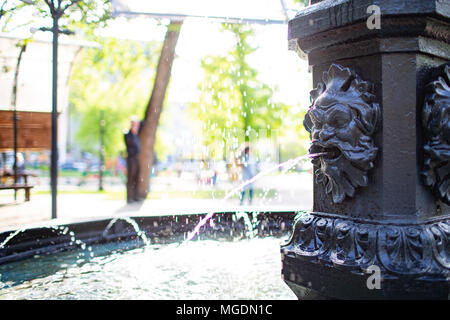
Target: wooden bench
x=16 y=187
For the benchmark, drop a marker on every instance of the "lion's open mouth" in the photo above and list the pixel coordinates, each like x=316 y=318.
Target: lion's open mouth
x=327 y=152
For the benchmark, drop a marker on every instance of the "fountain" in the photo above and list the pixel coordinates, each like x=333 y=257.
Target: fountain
x=147 y=257
x=378 y=122
x=380 y=226
x=85 y=245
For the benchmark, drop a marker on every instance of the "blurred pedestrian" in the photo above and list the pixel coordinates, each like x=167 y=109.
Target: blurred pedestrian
x=20 y=167
x=214 y=177
x=20 y=163
x=133 y=144
x=248 y=165
x=85 y=173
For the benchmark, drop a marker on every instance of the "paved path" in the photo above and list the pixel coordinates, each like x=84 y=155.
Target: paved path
x=294 y=193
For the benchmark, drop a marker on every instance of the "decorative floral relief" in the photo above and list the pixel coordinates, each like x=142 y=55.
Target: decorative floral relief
x=405 y=250
x=413 y=250
x=436 y=122
x=341 y=123
x=441 y=243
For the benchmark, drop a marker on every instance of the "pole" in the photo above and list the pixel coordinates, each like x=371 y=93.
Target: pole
x=15 y=118
x=56 y=12
x=54 y=152
x=102 y=150
x=15 y=150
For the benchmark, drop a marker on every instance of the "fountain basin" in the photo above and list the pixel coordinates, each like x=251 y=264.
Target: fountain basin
x=158 y=229
x=227 y=252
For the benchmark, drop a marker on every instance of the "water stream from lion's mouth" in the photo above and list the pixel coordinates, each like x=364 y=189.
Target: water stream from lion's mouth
x=286 y=165
x=126 y=274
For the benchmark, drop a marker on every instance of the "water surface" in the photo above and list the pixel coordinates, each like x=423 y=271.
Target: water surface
x=244 y=269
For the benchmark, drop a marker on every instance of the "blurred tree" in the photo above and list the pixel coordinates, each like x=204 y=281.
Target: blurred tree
x=293 y=138
x=75 y=14
x=155 y=105
x=83 y=15
x=114 y=79
x=234 y=106
x=7 y=7
x=304 y=2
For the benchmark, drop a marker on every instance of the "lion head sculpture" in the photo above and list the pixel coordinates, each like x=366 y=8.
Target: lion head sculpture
x=341 y=122
x=436 y=123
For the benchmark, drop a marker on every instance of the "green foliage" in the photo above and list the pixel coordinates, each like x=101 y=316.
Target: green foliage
x=293 y=137
x=83 y=15
x=114 y=79
x=304 y=2
x=233 y=103
x=7 y=9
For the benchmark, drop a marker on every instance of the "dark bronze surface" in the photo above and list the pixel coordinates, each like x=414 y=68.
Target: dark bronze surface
x=341 y=122
x=407 y=255
x=396 y=223
x=436 y=123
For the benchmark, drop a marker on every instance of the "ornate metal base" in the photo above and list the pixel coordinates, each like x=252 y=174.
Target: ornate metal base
x=331 y=256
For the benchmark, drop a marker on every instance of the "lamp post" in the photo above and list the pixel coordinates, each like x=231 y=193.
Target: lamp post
x=102 y=150
x=56 y=12
x=54 y=152
x=15 y=118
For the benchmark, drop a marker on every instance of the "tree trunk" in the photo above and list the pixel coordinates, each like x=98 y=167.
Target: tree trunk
x=154 y=106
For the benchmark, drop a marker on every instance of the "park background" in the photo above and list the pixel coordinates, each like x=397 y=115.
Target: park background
x=229 y=83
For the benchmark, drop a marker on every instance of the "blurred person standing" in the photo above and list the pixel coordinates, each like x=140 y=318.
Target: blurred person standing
x=133 y=144
x=248 y=165
x=19 y=164
x=84 y=175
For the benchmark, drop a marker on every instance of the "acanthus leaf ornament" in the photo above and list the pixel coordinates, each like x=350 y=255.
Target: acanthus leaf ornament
x=412 y=250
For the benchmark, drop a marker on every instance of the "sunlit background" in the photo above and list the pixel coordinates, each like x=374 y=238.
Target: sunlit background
x=106 y=72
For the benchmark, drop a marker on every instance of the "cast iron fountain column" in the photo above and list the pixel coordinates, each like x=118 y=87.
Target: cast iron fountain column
x=380 y=226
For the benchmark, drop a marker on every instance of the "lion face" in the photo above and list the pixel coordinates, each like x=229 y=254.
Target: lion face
x=436 y=122
x=341 y=122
